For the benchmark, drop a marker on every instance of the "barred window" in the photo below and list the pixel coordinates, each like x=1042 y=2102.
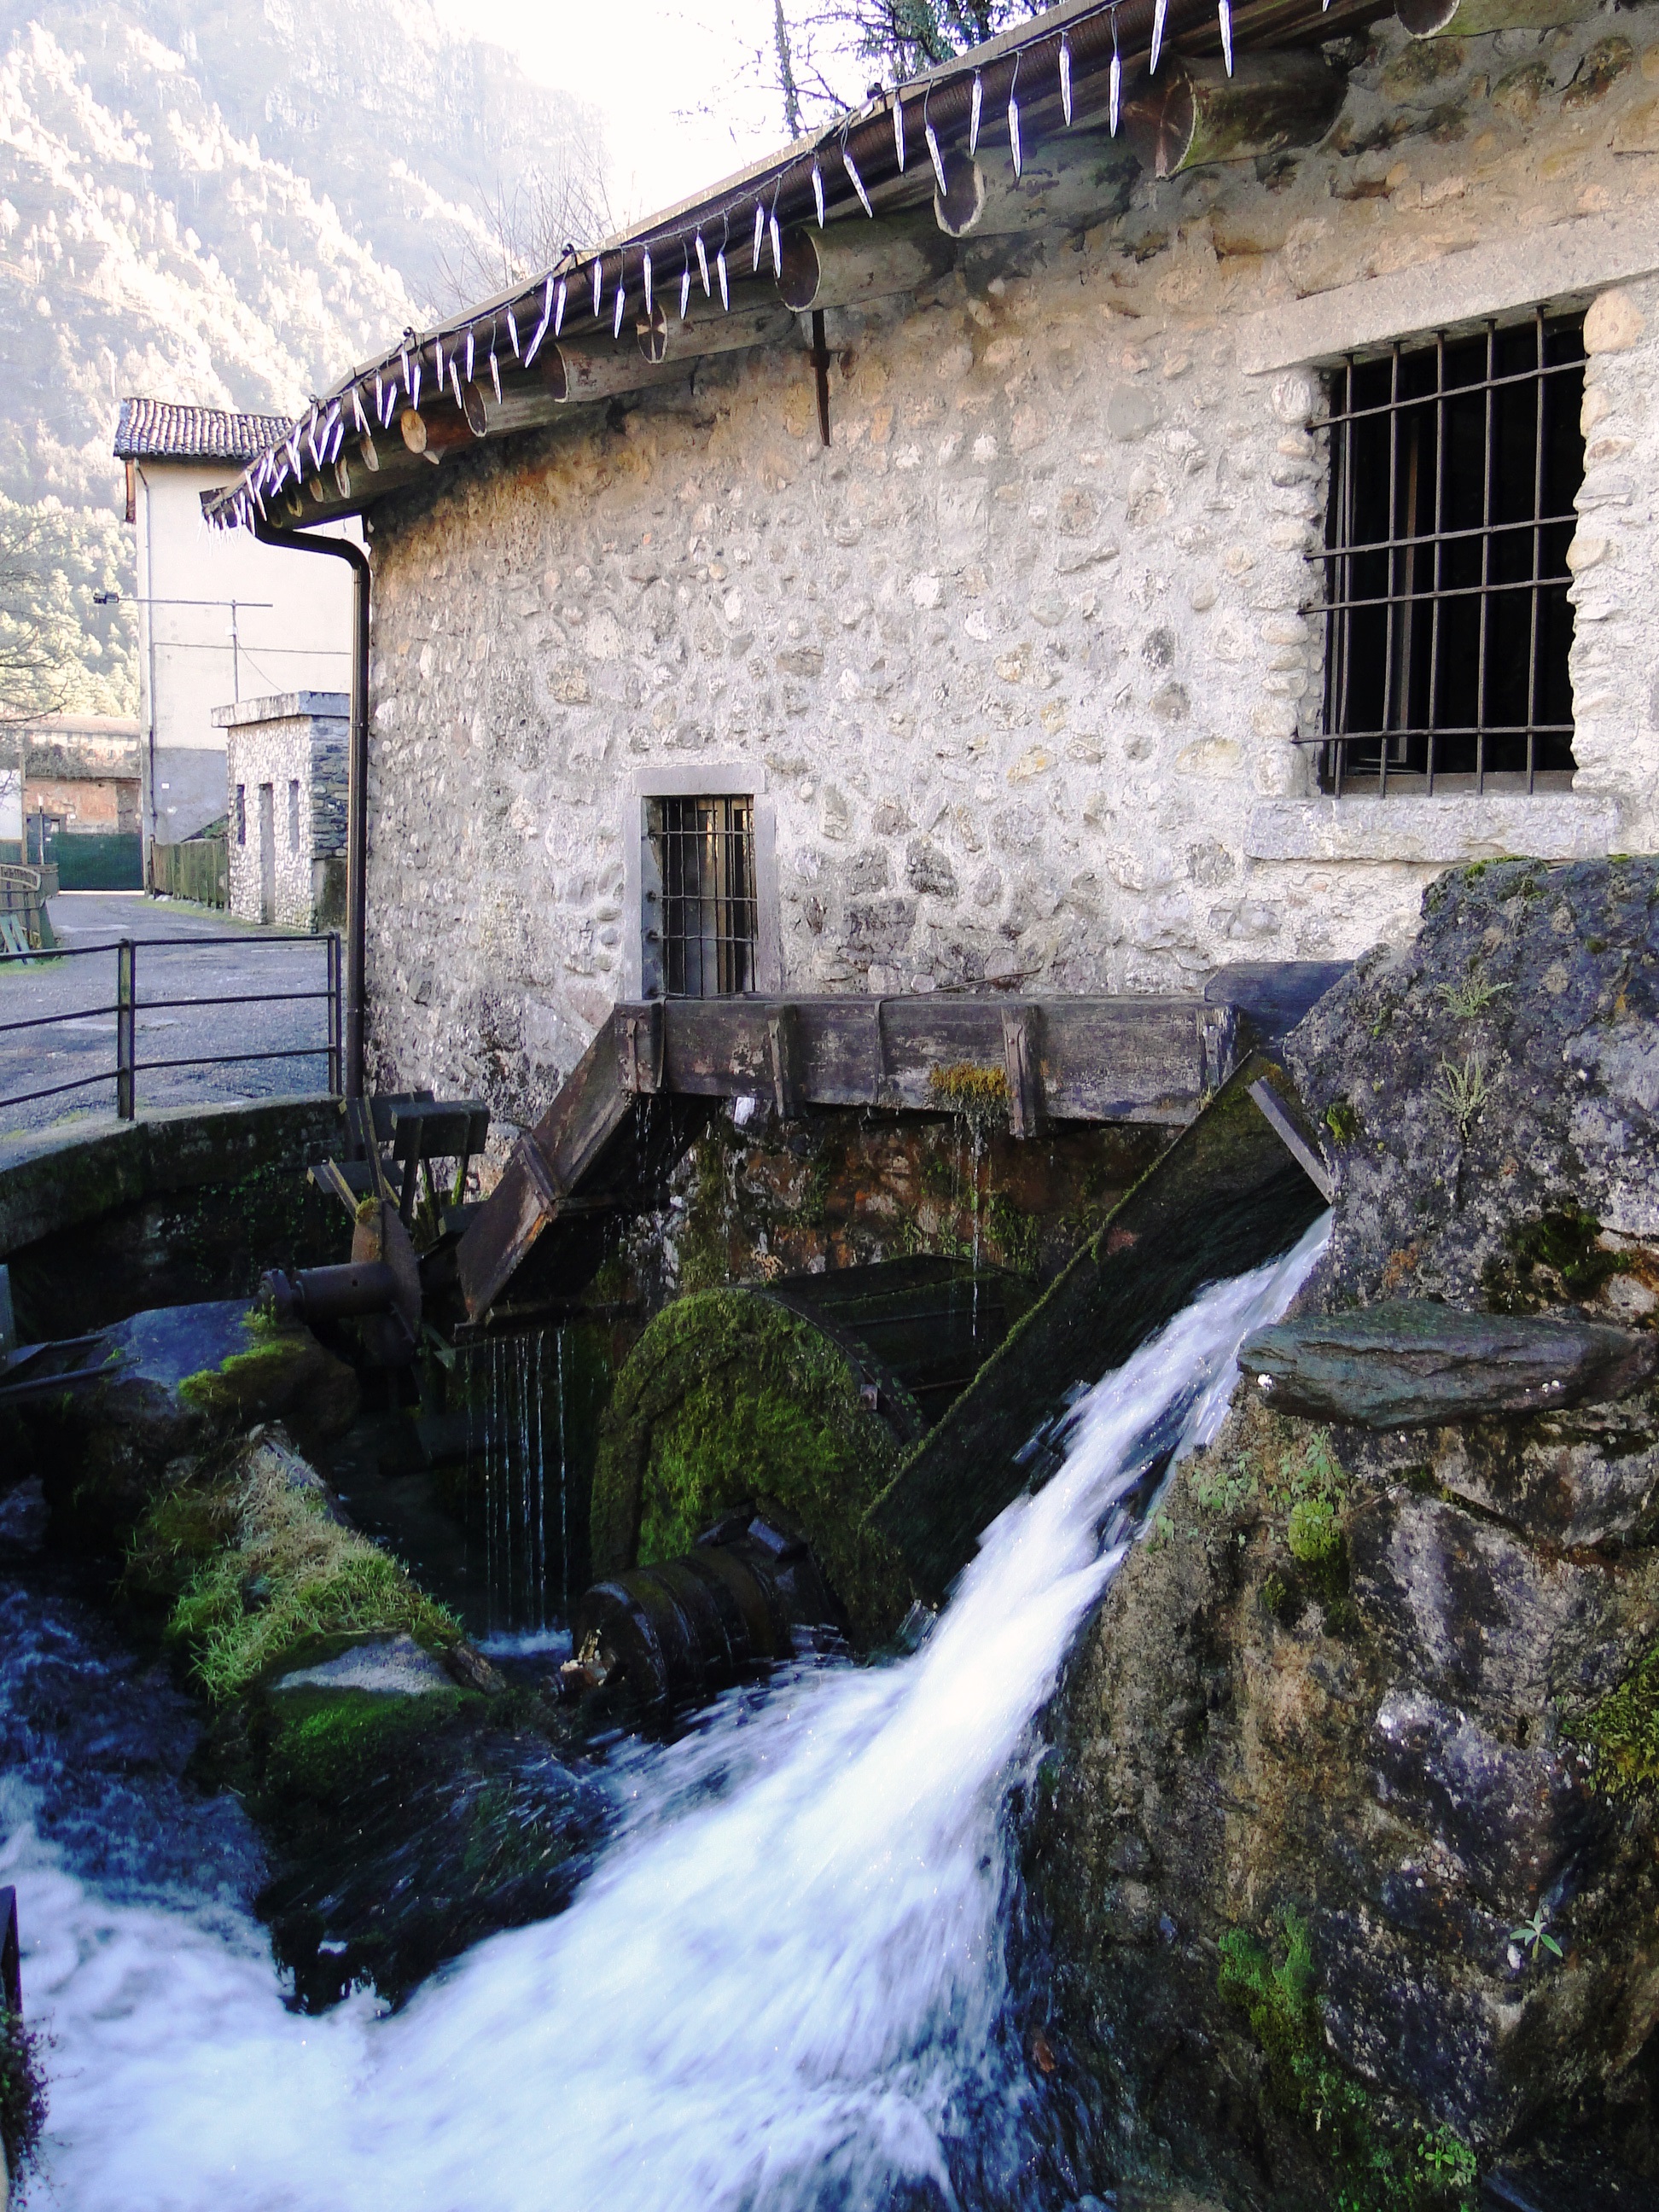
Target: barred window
x=704 y=850
x=1454 y=470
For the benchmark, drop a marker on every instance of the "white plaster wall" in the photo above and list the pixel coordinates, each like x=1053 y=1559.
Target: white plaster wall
x=301 y=641
x=1021 y=661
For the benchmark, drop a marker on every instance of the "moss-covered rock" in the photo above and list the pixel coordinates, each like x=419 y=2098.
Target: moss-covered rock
x=727 y=1397
x=291 y=1570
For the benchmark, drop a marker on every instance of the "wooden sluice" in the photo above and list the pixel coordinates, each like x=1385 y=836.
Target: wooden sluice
x=655 y=1071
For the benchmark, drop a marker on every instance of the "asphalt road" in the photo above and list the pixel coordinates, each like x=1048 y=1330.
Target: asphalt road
x=211 y=957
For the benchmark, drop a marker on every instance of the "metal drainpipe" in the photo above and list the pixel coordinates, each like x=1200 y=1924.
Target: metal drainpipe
x=146 y=616
x=342 y=548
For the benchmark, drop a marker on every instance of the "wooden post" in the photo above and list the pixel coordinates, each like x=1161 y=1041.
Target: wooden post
x=1193 y=113
x=574 y=375
x=1023 y=1058
x=856 y=261
x=783 y=1030
x=638 y=1046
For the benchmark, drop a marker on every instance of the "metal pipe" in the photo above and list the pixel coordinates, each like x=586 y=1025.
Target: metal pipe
x=342 y=548
x=313 y=1294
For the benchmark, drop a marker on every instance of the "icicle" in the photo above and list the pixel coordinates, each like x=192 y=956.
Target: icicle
x=496 y=375
x=975 y=108
x=777 y=247
x=616 y=321
x=726 y=289
x=760 y=233
x=357 y=409
x=1013 y=119
x=558 y=317
x=512 y=333
x=1065 y=78
x=1225 y=14
x=898 y=130
x=1160 y=10
x=857 y=181
x=415 y=385
x=599 y=287
x=932 y=137
x=817 y=189
x=455 y=380
x=702 y=265
x=541 y=327
x=646 y=268
x=337 y=441
x=1116 y=101
x=685 y=286
x=470 y=344
x=405 y=362
x=438 y=358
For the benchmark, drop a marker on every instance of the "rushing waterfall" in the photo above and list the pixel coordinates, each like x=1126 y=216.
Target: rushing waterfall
x=783 y=1987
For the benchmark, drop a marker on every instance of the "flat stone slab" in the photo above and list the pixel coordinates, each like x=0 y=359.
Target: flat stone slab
x=394 y=1665
x=1410 y=1363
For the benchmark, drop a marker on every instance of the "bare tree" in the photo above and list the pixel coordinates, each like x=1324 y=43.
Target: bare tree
x=527 y=224
x=824 y=51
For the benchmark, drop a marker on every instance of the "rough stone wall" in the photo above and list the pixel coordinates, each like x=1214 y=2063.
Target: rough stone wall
x=310 y=750
x=1021 y=662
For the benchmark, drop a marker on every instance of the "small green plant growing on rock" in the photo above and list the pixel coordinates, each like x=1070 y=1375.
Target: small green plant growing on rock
x=1471 y=997
x=1462 y=1089
x=1314 y=1531
x=1534 y=1934
x=1342 y=1119
x=1375 y=2166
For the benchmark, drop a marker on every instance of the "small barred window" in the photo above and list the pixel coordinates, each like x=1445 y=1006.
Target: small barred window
x=701 y=919
x=1454 y=470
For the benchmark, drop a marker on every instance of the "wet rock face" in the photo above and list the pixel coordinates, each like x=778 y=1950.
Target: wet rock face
x=1492 y=1086
x=1381 y=1693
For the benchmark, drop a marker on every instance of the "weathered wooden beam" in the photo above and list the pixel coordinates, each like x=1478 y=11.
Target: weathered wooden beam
x=783 y=1037
x=1472 y=18
x=1227 y=1196
x=575 y=373
x=548 y=1165
x=638 y=1042
x=1021 y=1055
x=1193 y=113
x=708 y=330
x=855 y=262
x=1077 y=181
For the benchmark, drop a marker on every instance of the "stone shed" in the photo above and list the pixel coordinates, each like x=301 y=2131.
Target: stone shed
x=1167 y=551
x=286 y=807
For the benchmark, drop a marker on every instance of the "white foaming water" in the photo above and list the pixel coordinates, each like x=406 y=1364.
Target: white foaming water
x=783 y=1987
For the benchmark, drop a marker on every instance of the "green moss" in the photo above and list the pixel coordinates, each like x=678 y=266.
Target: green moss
x=22 y=2092
x=1565 y=1240
x=327 y=1745
x=1625 y=1730
x=291 y=1572
x=727 y=1397
x=243 y=1379
x=182 y=1529
x=1014 y=1231
x=1375 y=2166
x=1343 y=1121
x=978 y=1095
x=1313 y=1531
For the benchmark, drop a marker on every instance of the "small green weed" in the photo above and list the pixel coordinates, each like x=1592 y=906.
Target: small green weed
x=1462 y=1089
x=1314 y=1532
x=1535 y=1935
x=1469 y=998
x=1226 y=1489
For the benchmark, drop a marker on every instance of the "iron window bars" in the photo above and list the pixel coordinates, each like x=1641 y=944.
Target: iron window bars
x=705 y=853
x=1454 y=470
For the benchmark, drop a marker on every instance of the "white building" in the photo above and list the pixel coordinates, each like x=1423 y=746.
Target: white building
x=218 y=621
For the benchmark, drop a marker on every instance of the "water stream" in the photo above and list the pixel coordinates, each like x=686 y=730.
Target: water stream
x=783 y=1986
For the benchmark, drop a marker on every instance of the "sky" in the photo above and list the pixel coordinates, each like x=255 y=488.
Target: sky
x=678 y=81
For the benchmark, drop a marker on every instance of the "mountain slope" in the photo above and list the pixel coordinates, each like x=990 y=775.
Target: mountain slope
x=225 y=205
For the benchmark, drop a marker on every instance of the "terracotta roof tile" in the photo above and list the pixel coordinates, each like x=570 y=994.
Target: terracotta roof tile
x=155 y=429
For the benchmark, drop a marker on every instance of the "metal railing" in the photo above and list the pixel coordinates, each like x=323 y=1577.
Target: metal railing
x=128 y=1007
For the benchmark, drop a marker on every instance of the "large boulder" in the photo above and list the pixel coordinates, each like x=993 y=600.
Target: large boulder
x=1346 y=1856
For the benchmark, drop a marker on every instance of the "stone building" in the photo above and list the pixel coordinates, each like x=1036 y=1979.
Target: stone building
x=1197 y=562
x=286 y=817
x=72 y=782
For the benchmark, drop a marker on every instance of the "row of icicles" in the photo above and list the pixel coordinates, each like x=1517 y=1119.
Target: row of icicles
x=325 y=433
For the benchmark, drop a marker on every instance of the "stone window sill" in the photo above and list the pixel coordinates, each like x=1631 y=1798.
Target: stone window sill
x=1551 y=825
